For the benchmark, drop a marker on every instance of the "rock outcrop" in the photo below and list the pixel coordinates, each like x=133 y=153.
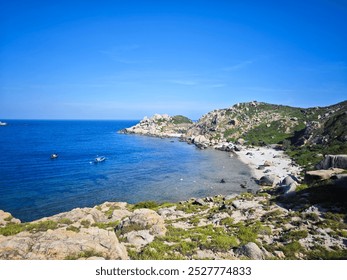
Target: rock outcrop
x=219 y=227
x=161 y=126
x=333 y=161
x=141 y=227
x=6 y=217
x=320 y=175
x=62 y=244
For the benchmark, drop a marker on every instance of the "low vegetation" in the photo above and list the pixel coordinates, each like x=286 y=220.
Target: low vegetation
x=179 y=119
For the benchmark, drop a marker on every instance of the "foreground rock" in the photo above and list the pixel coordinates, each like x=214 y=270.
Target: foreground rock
x=252 y=251
x=220 y=227
x=6 y=217
x=62 y=244
x=141 y=227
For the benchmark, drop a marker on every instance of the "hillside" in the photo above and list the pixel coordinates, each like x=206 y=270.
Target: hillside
x=302 y=132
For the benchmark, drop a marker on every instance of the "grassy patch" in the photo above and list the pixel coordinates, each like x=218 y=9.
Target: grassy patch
x=189 y=207
x=12 y=229
x=41 y=226
x=294 y=235
x=269 y=216
x=73 y=228
x=272 y=133
x=229 y=222
x=247 y=234
x=84 y=254
x=146 y=204
x=156 y=250
x=129 y=228
x=291 y=249
x=301 y=187
x=65 y=221
x=321 y=253
x=106 y=225
x=85 y=223
x=179 y=119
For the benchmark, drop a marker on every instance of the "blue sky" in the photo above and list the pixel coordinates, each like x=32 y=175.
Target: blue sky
x=127 y=59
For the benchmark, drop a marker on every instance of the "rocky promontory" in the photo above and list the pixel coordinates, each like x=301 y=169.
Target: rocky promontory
x=161 y=126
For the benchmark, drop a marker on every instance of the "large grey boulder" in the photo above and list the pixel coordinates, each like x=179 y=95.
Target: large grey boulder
x=333 y=161
x=252 y=251
x=144 y=219
x=288 y=185
x=289 y=189
x=267 y=180
x=288 y=180
x=139 y=238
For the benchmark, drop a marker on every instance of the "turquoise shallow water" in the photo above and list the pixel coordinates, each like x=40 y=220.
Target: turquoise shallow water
x=137 y=168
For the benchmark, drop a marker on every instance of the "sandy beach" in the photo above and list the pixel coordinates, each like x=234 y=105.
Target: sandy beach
x=275 y=162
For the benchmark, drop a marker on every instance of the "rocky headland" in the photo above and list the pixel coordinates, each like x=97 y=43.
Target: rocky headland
x=160 y=126
x=298 y=157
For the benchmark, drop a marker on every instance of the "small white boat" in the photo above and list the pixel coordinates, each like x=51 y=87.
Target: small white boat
x=2 y=123
x=54 y=156
x=99 y=159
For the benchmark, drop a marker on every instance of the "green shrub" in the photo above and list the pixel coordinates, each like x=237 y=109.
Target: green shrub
x=268 y=216
x=321 y=253
x=246 y=234
x=301 y=187
x=156 y=250
x=12 y=229
x=222 y=242
x=291 y=249
x=41 y=226
x=294 y=235
x=227 y=222
x=179 y=119
x=73 y=228
x=84 y=254
x=85 y=223
x=146 y=204
x=189 y=207
x=65 y=221
x=106 y=225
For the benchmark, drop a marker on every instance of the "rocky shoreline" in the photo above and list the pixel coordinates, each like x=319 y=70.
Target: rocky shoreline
x=245 y=226
x=284 y=219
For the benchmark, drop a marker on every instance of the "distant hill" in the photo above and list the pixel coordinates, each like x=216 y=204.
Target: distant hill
x=303 y=132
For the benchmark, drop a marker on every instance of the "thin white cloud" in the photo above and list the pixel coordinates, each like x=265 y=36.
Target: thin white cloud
x=268 y=89
x=184 y=82
x=122 y=54
x=238 y=66
x=217 y=85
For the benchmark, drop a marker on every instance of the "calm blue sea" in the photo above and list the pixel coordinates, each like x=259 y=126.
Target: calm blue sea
x=137 y=168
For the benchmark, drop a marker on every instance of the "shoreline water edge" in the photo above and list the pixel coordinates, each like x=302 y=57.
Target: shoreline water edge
x=276 y=222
